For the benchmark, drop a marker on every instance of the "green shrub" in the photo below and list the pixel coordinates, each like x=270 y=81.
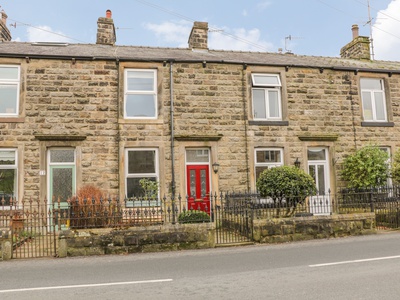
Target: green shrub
x=286 y=186
x=395 y=170
x=367 y=167
x=193 y=216
x=150 y=188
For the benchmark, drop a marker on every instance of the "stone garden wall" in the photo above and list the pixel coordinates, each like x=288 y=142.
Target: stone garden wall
x=136 y=239
x=307 y=228
x=86 y=242
x=5 y=245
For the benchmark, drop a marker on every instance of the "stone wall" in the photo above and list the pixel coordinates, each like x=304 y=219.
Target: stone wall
x=308 y=228
x=136 y=239
x=79 y=104
x=200 y=236
x=5 y=245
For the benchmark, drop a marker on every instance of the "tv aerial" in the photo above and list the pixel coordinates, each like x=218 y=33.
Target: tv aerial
x=287 y=40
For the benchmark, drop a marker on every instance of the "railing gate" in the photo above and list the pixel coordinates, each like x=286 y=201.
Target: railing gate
x=234 y=221
x=33 y=229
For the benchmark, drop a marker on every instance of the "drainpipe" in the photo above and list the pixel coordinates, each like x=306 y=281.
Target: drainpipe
x=348 y=80
x=244 y=82
x=171 y=90
x=118 y=129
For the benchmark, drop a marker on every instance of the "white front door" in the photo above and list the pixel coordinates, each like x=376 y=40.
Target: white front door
x=61 y=178
x=318 y=168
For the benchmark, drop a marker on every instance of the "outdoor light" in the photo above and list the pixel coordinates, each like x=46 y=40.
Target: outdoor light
x=215 y=167
x=297 y=163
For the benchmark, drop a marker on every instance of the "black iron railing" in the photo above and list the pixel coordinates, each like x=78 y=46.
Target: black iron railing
x=114 y=212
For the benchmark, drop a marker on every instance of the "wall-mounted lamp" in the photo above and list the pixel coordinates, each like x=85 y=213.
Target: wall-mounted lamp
x=297 y=163
x=215 y=167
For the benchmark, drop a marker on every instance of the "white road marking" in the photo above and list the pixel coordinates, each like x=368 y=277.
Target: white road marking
x=354 y=261
x=83 y=285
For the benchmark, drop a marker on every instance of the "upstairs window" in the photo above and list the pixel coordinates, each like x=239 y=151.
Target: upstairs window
x=373 y=100
x=9 y=90
x=267 y=158
x=266 y=95
x=140 y=88
x=8 y=176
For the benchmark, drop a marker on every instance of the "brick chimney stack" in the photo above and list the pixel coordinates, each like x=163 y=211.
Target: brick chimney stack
x=5 y=34
x=198 y=39
x=106 y=30
x=358 y=48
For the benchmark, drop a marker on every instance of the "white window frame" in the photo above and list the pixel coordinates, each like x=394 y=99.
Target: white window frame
x=267 y=164
x=15 y=82
x=267 y=87
x=140 y=175
x=11 y=167
x=372 y=93
x=200 y=152
x=140 y=92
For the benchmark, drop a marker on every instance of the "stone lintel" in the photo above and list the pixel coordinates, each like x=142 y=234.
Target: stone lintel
x=198 y=138
x=59 y=137
x=327 y=137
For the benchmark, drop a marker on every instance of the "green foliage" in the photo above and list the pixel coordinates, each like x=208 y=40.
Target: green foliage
x=367 y=167
x=193 y=216
x=395 y=170
x=150 y=188
x=7 y=181
x=286 y=186
x=285 y=180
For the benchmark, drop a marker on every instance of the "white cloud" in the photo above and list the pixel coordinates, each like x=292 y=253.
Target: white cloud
x=386 y=33
x=239 y=39
x=173 y=33
x=263 y=5
x=46 y=34
x=177 y=35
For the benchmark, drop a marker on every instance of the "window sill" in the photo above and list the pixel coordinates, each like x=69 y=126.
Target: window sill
x=140 y=121
x=377 y=124
x=269 y=123
x=12 y=120
x=142 y=204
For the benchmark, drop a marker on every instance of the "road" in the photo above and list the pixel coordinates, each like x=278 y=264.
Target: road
x=366 y=267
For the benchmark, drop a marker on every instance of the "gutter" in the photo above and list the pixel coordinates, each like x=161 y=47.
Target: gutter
x=161 y=60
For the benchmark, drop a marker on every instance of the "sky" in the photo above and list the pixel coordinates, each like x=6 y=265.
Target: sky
x=304 y=27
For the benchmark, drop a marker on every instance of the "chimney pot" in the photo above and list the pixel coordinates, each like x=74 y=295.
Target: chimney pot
x=108 y=14
x=354 y=29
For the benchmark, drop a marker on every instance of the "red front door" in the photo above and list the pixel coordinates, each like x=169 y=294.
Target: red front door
x=198 y=187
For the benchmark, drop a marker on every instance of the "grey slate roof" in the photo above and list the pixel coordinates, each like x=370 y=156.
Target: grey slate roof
x=136 y=53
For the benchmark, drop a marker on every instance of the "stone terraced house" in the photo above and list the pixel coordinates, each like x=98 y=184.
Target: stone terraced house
x=194 y=119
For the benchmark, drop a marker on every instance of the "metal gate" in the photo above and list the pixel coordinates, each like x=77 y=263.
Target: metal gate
x=234 y=220
x=387 y=213
x=32 y=228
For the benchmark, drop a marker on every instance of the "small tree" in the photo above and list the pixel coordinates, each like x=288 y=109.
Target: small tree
x=150 y=188
x=367 y=167
x=287 y=186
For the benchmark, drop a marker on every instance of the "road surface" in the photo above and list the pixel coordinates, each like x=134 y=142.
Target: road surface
x=366 y=267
